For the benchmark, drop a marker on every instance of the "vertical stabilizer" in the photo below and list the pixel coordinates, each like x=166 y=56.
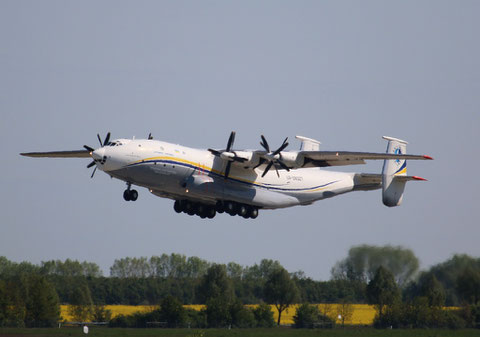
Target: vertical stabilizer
x=308 y=144
x=392 y=189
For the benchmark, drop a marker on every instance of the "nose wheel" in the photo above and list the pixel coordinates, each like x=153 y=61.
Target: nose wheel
x=130 y=195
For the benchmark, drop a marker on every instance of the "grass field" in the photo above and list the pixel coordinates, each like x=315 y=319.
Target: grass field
x=363 y=314
x=275 y=332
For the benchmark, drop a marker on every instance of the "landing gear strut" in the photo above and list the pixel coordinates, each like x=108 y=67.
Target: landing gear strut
x=130 y=195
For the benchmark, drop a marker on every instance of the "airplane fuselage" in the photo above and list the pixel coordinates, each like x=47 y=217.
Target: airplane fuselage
x=179 y=172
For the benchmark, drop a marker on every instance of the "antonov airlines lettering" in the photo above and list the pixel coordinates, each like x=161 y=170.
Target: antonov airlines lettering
x=242 y=182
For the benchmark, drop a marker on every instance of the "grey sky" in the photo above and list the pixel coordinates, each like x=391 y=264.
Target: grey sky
x=343 y=72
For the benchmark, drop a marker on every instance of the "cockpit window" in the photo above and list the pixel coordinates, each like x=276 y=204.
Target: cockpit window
x=117 y=143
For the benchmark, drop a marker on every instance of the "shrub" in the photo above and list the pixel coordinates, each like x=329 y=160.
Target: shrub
x=195 y=319
x=309 y=316
x=121 y=321
x=242 y=317
x=264 y=316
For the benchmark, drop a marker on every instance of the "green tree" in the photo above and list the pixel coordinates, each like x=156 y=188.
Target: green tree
x=433 y=290
x=131 y=268
x=101 y=314
x=217 y=293
x=215 y=283
x=382 y=290
x=81 y=305
x=172 y=311
x=280 y=290
x=218 y=312
x=468 y=285
x=448 y=273
x=306 y=316
x=363 y=261
x=42 y=305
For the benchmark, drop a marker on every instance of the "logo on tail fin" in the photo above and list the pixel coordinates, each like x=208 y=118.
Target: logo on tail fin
x=397 y=151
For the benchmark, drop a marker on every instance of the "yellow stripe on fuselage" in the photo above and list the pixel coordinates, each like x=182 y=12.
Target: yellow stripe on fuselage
x=210 y=169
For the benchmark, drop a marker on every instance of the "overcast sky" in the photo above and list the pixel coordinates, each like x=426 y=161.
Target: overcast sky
x=342 y=72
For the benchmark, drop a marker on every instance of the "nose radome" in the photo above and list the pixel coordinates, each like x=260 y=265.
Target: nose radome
x=98 y=154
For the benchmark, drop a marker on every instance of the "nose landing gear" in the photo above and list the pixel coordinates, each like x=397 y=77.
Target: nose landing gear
x=129 y=194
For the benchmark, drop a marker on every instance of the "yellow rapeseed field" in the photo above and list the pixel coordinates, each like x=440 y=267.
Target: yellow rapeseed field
x=115 y=309
x=363 y=314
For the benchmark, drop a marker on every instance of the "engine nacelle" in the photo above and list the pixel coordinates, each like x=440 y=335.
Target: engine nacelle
x=292 y=159
x=251 y=159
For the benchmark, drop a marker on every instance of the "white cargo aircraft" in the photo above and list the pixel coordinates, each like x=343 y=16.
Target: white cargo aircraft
x=240 y=182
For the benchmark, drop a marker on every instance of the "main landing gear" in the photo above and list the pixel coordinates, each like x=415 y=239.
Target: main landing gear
x=130 y=195
x=235 y=208
x=209 y=211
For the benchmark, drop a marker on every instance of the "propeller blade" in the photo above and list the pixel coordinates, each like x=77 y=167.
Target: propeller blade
x=106 y=139
x=280 y=149
x=93 y=172
x=282 y=164
x=278 y=174
x=227 y=169
x=231 y=139
x=88 y=148
x=260 y=162
x=214 y=152
x=99 y=139
x=267 y=168
x=264 y=143
x=91 y=164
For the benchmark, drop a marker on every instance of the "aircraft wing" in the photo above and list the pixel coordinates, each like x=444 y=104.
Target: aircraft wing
x=59 y=154
x=340 y=158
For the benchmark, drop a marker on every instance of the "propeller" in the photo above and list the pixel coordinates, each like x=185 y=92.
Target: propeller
x=90 y=149
x=274 y=157
x=228 y=154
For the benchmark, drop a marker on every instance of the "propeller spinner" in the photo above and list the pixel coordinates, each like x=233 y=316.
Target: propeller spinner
x=228 y=155
x=91 y=150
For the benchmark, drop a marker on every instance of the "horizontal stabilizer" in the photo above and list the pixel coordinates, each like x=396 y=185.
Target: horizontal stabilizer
x=373 y=181
x=409 y=178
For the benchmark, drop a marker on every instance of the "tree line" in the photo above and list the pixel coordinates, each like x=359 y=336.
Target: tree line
x=30 y=294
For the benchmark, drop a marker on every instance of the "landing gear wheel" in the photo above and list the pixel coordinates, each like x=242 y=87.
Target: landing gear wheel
x=177 y=206
x=219 y=207
x=210 y=212
x=254 y=213
x=190 y=208
x=200 y=211
x=133 y=195
x=230 y=208
x=126 y=195
x=242 y=211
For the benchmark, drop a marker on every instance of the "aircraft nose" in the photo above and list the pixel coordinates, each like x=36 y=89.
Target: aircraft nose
x=98 y=154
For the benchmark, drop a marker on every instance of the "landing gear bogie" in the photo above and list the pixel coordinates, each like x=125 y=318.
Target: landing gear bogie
x=209 y=211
